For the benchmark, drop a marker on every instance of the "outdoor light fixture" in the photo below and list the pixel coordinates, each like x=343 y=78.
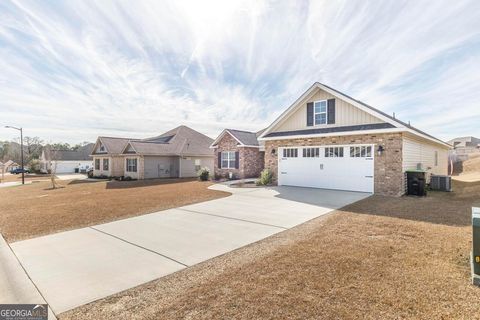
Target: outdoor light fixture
x=273 y=151
x=380 y=150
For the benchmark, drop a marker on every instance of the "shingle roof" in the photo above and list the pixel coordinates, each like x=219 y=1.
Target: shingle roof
x=332 y=129
x=81 y=154
x=245 y=137
x=114 y=145
x=179 y=141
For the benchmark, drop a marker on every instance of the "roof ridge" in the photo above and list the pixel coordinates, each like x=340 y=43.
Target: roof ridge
x=241 y=131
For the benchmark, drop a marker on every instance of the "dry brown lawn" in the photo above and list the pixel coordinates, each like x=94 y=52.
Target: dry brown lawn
x=35 y=209
x=380 y=258
x=18 y=177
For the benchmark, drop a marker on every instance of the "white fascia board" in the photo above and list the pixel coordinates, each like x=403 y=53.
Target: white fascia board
x=353 y=102
x=221 y=136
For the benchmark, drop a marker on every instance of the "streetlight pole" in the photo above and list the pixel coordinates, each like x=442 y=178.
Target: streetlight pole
x=21 y=149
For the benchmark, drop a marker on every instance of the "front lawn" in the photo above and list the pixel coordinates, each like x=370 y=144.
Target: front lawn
x=380 y=258
x=35 y=209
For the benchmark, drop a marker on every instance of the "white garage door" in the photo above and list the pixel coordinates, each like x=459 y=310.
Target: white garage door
x=348 y=167
x=66 y=167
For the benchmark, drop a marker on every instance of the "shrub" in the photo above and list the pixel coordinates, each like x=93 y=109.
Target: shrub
x=34 y=165
x=203 y=174
x=266 y=178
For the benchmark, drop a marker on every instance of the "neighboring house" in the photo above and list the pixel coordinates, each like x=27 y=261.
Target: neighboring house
x=178 y=153
x=67 y=161
x=10 y=165
x=464 y=147
x=238 y=154
x=329 y=140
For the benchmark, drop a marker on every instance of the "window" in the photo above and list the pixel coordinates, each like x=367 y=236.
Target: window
x=436 y=158
x=361 y=152
x=131 y=165
x=97 y=164
x=320 y=112
x=290 y=153
x=102 y=148
x=334 y=152
x=105 y=164
x=311 y=152
x=198 y=163
x=228 y=160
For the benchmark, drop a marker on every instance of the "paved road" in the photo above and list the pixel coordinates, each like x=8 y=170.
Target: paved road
x=76 y=267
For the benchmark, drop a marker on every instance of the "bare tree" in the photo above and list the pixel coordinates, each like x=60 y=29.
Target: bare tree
x=51 y=156
x=33 y=147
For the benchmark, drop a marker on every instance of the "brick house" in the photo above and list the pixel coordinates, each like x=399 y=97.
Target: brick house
x=327 y=139
x=238 y=153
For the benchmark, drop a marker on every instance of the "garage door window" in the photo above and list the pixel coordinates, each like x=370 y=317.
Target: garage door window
x=228 y=159
x=311 y=152
x=105 y=164
x=334 y=152
x=131 y=165
x=361 y=152
x=97 y=164
x=290 y=153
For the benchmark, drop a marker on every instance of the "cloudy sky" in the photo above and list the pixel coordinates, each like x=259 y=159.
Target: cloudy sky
x=73 y=70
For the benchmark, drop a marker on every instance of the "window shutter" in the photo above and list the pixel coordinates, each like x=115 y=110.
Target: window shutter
x=331 y=111
x=310 y=114
x=237 y=160
x=219 y=159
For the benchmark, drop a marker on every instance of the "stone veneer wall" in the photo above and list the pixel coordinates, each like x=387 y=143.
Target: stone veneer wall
x=251 y=160
x=389 y=176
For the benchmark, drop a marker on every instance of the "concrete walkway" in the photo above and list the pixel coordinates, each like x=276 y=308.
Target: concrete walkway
x=15 y=286
x=76 y=267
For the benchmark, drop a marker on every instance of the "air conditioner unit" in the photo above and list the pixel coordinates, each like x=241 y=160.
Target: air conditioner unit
x=441 y=183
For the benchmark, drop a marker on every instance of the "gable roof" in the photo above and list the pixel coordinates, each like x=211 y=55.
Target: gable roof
x=244 y=138
x=180 y=141
x=112 y=145
x=10 y=163
x=81 y=154
x=396 y=125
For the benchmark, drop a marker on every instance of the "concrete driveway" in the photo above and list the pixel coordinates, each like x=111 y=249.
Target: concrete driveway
x=76 y=267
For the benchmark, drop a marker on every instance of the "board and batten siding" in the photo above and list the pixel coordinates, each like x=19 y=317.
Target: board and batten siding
x=417 y=151
x=345 y=114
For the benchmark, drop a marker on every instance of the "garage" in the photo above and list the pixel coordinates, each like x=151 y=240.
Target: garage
x=349 y=167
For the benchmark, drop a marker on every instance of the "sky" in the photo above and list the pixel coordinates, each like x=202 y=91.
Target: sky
x=73 y=70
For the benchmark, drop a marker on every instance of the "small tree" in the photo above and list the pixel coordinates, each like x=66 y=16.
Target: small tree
x=51 y=156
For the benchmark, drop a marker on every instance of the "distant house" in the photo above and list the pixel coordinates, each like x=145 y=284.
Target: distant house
x=177 y=153
x=67 y=161
x=10 y=165
x=239 y=154
x=464 y=147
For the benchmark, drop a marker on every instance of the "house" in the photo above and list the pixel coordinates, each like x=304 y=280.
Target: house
x=464 y=147
x=238 y=154
x=10 y=165
x=66 y=161
x=327 y=139
x=178 y=153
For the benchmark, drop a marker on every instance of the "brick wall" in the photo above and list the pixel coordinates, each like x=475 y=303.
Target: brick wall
x=251 y=160
x=389 y=177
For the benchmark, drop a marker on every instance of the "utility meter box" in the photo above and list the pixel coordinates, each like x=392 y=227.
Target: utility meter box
x=476 y=246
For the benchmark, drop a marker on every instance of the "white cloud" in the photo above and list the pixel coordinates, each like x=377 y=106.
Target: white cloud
x=80 y=69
